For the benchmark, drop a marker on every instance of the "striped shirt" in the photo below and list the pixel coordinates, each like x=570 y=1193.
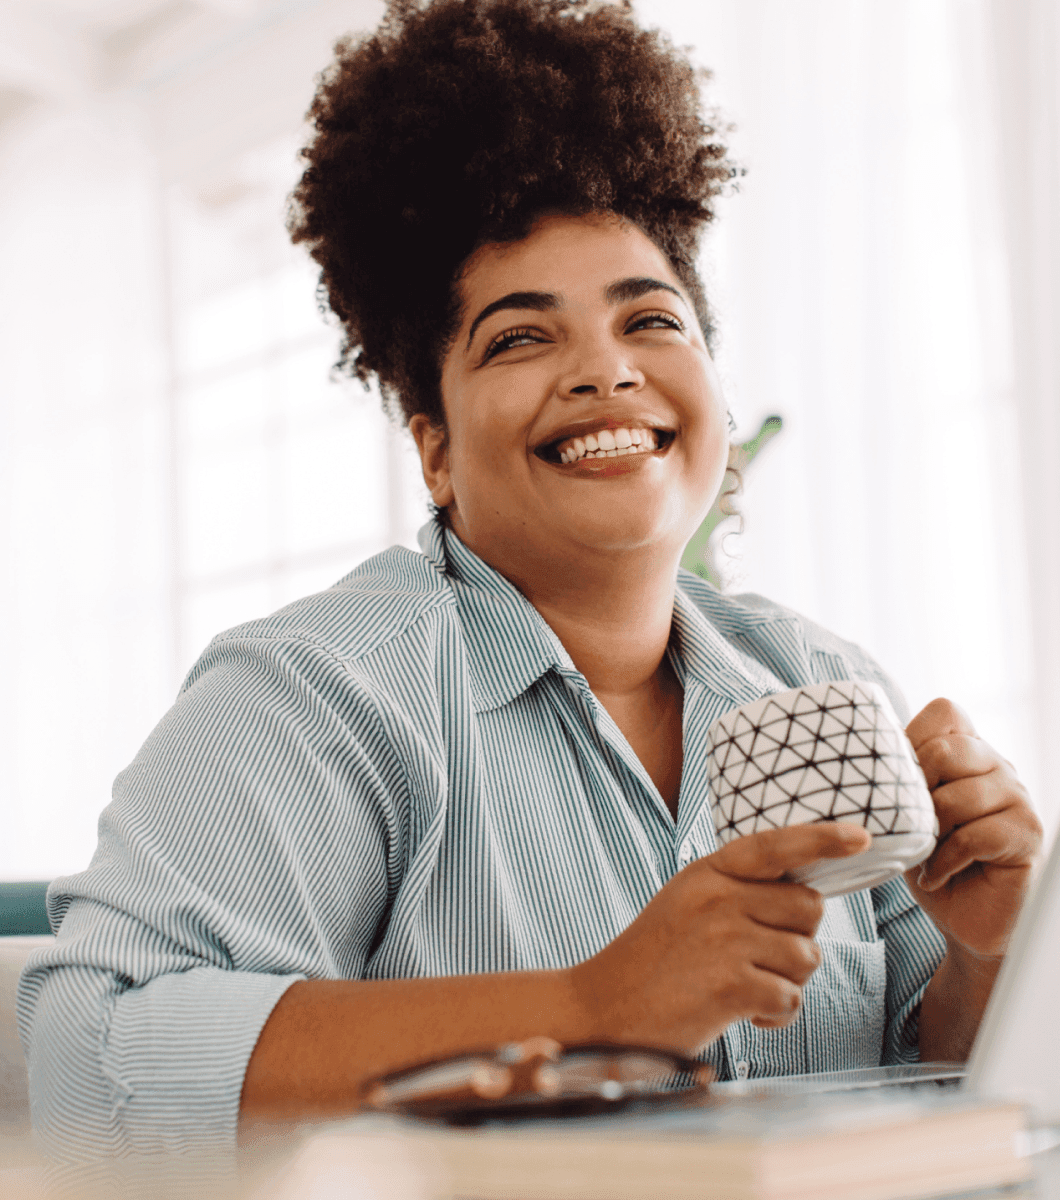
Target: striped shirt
x=407 y=776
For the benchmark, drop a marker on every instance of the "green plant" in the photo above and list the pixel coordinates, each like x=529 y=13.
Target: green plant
x=699 y=555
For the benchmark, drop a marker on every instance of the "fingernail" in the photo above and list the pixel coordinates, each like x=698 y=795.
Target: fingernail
x=924 y=882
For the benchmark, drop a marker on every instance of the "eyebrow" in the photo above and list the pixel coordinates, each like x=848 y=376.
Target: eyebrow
x=624 y=290
x=537 y=301
x=619 y=292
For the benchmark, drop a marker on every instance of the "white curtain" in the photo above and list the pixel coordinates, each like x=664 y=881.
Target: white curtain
x=869 y=287
x=1026 y=39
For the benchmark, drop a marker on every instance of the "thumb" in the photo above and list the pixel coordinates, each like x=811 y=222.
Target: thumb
x=775 y=853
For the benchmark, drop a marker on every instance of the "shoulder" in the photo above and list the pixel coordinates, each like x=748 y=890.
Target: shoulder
x=791 y=644
x=387 y=601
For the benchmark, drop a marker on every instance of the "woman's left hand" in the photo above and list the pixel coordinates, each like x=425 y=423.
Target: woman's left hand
x=990 y=837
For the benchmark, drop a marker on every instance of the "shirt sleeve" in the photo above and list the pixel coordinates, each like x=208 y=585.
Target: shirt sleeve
x=252 y=843
x=914 y=950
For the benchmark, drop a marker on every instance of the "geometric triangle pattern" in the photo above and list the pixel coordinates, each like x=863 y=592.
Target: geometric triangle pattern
x=822 y=752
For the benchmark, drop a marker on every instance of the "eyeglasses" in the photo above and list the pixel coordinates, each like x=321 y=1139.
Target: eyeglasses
x=539 y=1078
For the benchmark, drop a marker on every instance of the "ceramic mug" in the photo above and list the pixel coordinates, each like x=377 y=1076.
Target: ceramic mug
x=824 y=752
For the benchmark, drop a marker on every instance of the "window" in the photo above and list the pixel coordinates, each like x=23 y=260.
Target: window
x=283 y=478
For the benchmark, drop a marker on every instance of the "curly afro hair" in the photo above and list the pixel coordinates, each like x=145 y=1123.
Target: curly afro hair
x=457 y=124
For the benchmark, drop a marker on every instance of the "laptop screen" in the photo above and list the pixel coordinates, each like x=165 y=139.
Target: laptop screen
x=1017 y=1051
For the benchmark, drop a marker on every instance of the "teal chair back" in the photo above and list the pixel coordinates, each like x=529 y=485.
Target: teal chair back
x=22 y=911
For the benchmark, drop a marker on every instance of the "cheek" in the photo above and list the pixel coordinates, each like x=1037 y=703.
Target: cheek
x=697 y=397
x=490 y=433
x=480 y=467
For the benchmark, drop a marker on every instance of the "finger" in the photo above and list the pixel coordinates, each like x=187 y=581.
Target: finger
x=977 y=796
x=1000 y=839
x=937 y=719
x=956 y=756
x=770 y=1000
x=790 y=907
x=774 y=853
x=789 y=955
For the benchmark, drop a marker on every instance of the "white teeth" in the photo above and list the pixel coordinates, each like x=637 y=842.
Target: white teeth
x=608 y=443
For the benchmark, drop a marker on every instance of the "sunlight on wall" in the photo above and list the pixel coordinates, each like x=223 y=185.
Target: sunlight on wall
x=85 y=597
x=176 y=460
x=285 y=479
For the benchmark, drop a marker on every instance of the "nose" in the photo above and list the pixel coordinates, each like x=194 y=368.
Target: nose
x=601 y=371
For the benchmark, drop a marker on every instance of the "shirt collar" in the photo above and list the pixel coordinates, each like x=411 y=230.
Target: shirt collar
x=705 y=654
x=510 y=645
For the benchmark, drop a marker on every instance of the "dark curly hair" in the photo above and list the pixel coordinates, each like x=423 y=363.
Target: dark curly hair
x=458 y=123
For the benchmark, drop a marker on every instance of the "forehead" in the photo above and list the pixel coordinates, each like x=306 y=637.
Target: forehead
x=574 y=257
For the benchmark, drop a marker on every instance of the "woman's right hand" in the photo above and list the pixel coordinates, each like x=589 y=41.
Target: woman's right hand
x=725 y=939
x=729 y=938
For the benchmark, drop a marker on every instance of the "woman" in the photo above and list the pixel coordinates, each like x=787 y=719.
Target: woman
x=460 y=798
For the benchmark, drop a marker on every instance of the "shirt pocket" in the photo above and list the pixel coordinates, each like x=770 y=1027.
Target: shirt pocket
x=845 y=1004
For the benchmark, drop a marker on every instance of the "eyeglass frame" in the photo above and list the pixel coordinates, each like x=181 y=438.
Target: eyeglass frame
x=519 y=1080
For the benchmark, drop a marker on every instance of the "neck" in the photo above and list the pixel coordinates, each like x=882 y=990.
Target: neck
x=612 y=611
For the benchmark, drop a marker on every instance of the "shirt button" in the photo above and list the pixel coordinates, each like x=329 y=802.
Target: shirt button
x=685 y=857
x=742 y=1069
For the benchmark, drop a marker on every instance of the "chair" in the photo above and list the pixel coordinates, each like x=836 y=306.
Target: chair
x=22 y=911
x=14 y=1090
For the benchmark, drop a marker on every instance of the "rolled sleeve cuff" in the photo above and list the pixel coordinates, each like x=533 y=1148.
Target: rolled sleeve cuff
x=176 y=1053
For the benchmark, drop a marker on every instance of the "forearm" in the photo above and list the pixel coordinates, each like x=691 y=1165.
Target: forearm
x=324 y=1038
x=953 y=1005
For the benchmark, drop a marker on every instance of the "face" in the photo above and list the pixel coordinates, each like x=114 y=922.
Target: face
x=584 y=413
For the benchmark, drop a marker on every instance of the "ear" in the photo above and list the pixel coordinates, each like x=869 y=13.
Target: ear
x=432 y=441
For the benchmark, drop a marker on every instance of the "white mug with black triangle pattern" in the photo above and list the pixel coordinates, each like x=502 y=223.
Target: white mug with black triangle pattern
x=824 y=752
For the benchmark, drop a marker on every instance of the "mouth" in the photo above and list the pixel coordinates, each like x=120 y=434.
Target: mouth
x=619 y=441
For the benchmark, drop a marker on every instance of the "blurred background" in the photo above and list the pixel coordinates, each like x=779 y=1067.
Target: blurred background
x=175 y=459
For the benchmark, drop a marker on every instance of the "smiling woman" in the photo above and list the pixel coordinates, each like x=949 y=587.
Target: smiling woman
x=461 y=798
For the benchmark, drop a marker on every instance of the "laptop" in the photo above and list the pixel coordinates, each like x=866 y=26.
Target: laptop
x=1016 y=1055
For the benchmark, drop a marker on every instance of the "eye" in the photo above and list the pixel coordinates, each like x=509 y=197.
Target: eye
x=655 y=320
x=509 y=339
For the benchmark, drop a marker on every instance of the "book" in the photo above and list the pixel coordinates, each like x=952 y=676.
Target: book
x=878 y=1147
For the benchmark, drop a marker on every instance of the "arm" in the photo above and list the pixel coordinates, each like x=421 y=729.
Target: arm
x=722 y=941
x=250 y=845
x=953 y=1005
x=327 y=1037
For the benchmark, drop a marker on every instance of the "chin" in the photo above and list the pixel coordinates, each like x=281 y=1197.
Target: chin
x=620 y=530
